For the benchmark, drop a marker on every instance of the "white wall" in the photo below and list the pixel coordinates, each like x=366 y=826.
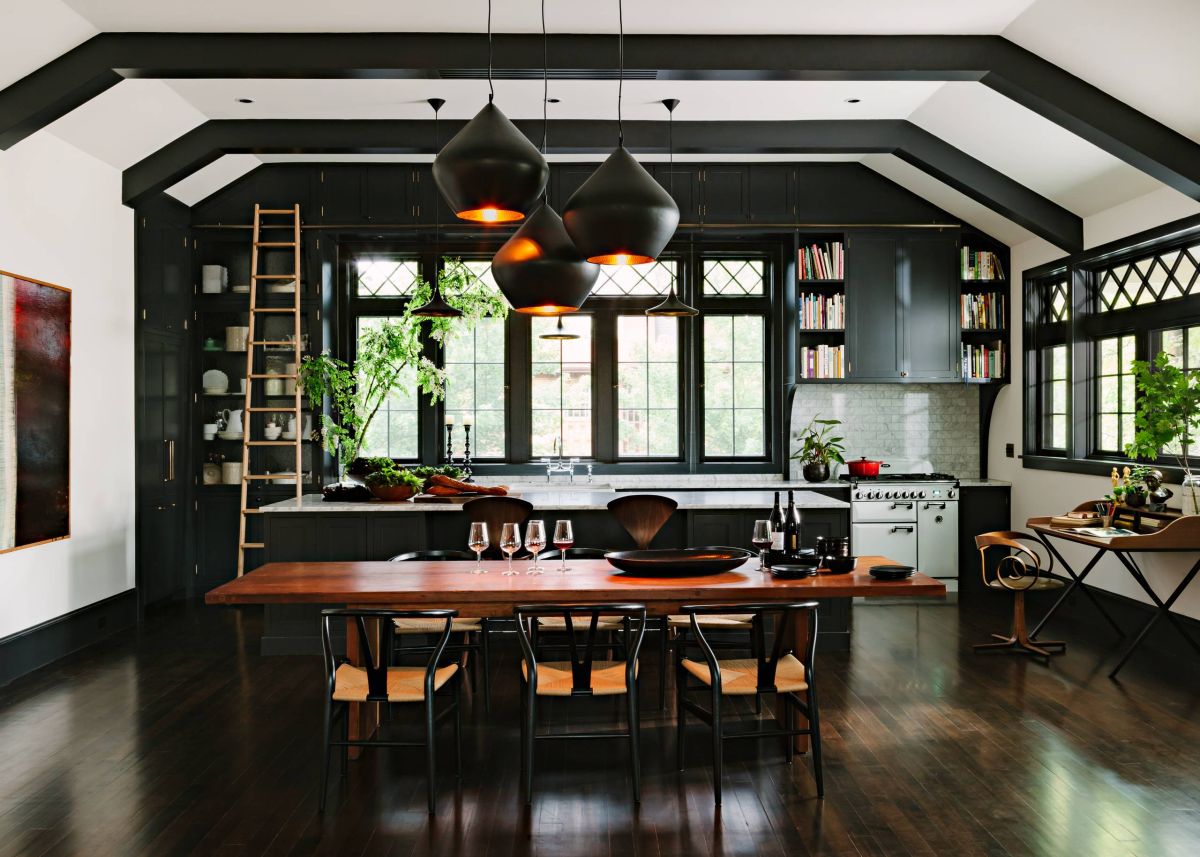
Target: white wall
x=61 y=220
x=1044 y=492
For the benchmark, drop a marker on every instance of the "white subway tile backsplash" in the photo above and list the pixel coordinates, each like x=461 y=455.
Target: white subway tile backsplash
x=939 y=422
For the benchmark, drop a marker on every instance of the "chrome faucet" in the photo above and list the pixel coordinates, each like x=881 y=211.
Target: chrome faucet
x=557 y=464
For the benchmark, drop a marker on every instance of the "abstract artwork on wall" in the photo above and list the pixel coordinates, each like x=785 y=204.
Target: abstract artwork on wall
x=35 y=402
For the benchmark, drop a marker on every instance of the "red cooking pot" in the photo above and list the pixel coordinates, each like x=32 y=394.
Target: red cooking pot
x=865 y=467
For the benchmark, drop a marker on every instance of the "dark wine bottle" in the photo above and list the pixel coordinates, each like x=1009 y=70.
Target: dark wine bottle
x=777 y=525
x=792 y=529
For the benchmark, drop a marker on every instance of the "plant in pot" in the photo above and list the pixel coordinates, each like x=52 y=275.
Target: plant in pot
x=390 y=482
x=1168 y=413
x=818 y=448
x=390 y=358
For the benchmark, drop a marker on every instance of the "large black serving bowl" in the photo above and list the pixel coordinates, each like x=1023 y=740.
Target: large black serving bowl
x=677 y=562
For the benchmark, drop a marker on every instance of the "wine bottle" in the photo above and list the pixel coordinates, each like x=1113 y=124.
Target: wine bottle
x=777 y=525
x=792 y=530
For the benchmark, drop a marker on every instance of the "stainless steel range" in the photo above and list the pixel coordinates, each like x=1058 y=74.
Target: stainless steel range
x=910 y=517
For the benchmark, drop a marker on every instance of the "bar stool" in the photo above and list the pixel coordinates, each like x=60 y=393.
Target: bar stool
x=774 y=671
x=582 y=675
x=1017 y=573
x=496 y=512
x=465 y=625
x=643 y=516
x=384 y=684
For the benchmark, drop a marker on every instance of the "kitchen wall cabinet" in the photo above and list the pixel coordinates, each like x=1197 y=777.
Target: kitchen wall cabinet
x=772 y=189
x=725 y=193
x=902 y=306
x=683 y=182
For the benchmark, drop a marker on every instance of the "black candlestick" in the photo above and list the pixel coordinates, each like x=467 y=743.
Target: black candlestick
x=449 y=443
x=466 y=463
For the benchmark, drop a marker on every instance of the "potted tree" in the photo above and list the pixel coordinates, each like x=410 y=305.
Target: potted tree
x=390 y=356
x=1168 y=413
x=818 y=449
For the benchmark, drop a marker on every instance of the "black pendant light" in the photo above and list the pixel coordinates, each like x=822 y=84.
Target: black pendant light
x=560 y=333
x=436 y=306
x=538 y=270
x=489 y=172
x=621 y=215
x=672 y=306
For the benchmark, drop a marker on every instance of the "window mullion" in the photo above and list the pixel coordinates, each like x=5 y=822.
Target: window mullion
x=604 y=385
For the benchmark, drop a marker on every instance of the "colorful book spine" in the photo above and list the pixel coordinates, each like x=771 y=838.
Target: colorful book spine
x=985 y=362
x=982 y=311
x=979 y=265
x=822 y=362
x=821 y=262
x=822 y=312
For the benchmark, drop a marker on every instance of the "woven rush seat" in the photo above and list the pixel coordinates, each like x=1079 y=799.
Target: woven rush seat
x=731 y=620
x=739 y=677
x=554 y=678
x=404 y=684
x=1026 y=583
x=436 y=626
x=558 y=623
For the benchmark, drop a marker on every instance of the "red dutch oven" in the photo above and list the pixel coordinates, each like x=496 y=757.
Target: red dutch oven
x=865 y=467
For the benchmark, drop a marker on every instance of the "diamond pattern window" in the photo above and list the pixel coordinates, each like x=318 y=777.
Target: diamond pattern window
x=1163 y=276
x=648 y=387
x=734 y=386
x=385 y=277
x=734 y=277
x=1058 y=302
x=1114 y=393
x=620 y=281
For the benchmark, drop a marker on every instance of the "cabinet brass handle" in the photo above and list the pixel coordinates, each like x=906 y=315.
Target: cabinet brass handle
x=170 y=461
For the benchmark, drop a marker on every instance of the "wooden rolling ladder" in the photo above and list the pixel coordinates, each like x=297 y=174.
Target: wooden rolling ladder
x=251 y=436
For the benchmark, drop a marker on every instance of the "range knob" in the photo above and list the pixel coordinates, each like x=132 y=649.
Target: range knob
x=921 y=494
x=950 y=494
x=890 y=495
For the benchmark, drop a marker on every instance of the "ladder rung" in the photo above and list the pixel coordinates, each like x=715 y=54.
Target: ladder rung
x=277 y=211
x=271 y=410
x=252 y=511
x=276 y=309
x=273 y=342
x=273 y=276
x=270 y=443
x=245 y=545
x=268 y=375
x=269 y=476
x=274 y=243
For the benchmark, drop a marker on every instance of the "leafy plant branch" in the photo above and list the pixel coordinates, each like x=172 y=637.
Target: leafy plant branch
x=1168 y=412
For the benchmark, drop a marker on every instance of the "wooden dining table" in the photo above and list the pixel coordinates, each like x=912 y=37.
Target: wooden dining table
x=452 y=584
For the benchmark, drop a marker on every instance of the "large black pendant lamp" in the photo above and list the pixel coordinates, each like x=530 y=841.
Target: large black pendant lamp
x=489 y=172
x=621 y=215
x=436 y=306
x=672 y=306
x=539 y=271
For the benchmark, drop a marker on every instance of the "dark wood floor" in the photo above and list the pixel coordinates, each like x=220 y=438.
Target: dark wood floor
x=180 y=739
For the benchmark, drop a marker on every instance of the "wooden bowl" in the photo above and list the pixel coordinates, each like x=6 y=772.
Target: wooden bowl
x=678 y=562
x=393 y=493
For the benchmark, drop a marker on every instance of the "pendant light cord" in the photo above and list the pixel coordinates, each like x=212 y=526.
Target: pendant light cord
x=620 y=69
x=545 y=97
x=437 y=210
x=491 y=86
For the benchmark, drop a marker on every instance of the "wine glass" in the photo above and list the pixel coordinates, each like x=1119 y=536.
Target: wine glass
x=535 y=540
x=762 y=541
x=477 y=541
x=510 y=543
x=563 y=539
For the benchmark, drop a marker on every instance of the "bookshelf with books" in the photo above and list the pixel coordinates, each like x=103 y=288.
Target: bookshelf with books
x=984 y=307
x=820 y=321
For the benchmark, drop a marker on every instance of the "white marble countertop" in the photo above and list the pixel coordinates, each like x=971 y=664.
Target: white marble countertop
x=577 y=500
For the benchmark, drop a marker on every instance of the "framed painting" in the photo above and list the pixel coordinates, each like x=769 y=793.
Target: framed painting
x=35 y=411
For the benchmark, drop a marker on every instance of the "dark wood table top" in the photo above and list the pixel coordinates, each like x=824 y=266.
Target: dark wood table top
x=1182 y=534
x=451 y=584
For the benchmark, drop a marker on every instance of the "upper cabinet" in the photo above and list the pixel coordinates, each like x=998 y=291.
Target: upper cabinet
x=383 y=194
x=902 y=306
x=163 y=258
x=772 y=193
x=565 y=179
x=682 y=181
x=725 y=194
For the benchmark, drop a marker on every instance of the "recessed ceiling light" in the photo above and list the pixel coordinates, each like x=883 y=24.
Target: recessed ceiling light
x=245 y=100
x=853 y=100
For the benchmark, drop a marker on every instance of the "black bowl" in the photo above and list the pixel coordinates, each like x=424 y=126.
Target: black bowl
x=793 y=571
x=678 y=562
x=892 y=572
x=839 y=564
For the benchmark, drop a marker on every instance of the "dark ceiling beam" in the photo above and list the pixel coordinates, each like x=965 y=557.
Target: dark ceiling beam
x=204 y=144
x=104 y=60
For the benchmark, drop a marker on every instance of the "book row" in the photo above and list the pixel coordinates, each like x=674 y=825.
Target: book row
x=822 y=261
x=822 y=312
x=822 y=361
x=982 y=311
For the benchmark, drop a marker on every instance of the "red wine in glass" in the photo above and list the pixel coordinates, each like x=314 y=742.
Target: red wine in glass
x=564 y=537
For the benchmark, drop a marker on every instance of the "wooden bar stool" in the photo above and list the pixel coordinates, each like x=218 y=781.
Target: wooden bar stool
x=643 y=516
x=1018 y=573
x=379 y=682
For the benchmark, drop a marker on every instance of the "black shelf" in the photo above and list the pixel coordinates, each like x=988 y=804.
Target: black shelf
x=821 y=282
x=994 y=331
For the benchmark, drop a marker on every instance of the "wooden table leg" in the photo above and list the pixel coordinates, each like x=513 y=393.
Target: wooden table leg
x=364 y=717
x=799 y=644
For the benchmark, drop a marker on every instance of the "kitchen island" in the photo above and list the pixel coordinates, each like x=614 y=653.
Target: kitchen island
x=317 y=531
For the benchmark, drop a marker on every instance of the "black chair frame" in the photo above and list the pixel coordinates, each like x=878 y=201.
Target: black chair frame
x=377 y=660
x=768 y=661
x=633 y=630
x=539 y=633
x=482 y=647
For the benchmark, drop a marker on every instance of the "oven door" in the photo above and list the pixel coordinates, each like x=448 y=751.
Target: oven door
x=938 y=553
x=896 y=541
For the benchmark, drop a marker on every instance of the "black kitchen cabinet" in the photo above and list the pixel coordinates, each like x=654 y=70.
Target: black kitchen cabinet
x=160 y=551
x=163 y=264
x=340 y=194
x=271 y=186
x=216 y=540
x=683 y=183
x=725 y=193
x=772 y=190
x=565 y=179
x=902 y=306
x=386 y=191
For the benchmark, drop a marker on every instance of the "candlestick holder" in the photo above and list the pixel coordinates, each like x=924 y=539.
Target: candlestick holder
x=466 y=462
x=449 y=443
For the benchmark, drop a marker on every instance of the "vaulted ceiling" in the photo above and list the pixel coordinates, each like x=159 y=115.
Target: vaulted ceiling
x=1142 y=54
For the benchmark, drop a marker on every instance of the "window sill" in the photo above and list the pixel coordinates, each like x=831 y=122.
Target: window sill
x=1094 y=466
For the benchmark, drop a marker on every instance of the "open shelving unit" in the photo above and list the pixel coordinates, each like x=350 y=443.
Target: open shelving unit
x=996 y=286
x=820 y=339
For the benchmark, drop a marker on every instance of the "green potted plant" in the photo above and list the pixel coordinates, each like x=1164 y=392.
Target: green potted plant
x=390 y=482
x=818 y=449
x=388 y=352
x=1168 y=413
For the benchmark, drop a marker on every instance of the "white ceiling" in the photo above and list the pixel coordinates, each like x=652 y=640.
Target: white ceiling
x=563 y=16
